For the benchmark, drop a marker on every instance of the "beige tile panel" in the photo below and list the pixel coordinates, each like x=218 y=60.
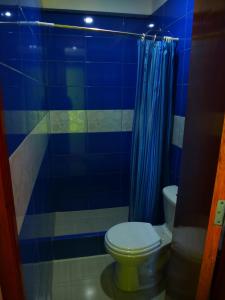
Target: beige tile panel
x=22 y=118
x=24 y=166
x=68 y=121
x=81 y=121
x=127 y=120
x=38 y=225
x=104 y=120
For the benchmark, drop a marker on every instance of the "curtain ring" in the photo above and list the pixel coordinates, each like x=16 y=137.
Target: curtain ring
x=143 y=36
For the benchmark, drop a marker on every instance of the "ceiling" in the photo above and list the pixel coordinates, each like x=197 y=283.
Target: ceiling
x=136 y=7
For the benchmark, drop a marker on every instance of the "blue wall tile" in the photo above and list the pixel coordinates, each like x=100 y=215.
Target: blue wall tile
x=62 y=247
x=129 y=75
x=78 y=246
x=175 y=164
x=65 y=47
x=67 y=144
x=103 y=163
x=190 y=6
x=104 y=97
x=29 y=250
x=103 y=182
x=129 y=94
x=178 y=29
x=186 y=66
x=104 y=142
x=65 y=73
x=13 y=141
x=109 y=199
x=126 y=142
x=104 y=49
x=188 y=34
x=174 y=9
x=130 y=52
x=9 y=51
x=66 y=97
x=13 y=98
x=104 y=74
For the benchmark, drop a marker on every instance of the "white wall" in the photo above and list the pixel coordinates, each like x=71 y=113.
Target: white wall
x=139 y=7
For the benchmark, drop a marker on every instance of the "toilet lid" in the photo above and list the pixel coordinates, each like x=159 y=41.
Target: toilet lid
x=133 y=237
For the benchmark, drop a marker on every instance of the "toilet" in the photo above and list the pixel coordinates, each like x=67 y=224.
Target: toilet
x=141 y=250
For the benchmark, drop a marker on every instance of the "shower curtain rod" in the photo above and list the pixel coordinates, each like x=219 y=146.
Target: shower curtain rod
x=46 y=24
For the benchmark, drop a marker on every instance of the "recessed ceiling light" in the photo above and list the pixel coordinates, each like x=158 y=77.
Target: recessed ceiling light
x=151 y=25
x=8 y=14
x=88 y=20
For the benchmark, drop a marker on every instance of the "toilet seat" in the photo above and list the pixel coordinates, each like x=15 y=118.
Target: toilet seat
x=132 y=238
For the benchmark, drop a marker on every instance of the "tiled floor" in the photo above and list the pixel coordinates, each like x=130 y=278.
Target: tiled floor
x=90 y=278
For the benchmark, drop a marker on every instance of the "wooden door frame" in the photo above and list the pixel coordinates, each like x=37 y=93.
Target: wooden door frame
x=213 y=231
x=10 y=267
x=217 y=289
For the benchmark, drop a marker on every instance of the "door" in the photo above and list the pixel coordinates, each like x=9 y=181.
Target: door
x=213 y=235
x=10 y=272
x=195 y=237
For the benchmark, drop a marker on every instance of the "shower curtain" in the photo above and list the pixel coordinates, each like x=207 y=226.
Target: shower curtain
x=151 y=130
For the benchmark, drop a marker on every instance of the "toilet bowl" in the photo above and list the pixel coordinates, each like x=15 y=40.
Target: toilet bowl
x=140 y=248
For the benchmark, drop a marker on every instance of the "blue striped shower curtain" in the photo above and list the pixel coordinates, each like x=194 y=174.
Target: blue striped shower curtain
x=151 y=130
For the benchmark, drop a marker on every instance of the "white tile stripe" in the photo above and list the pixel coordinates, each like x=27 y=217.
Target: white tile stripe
x=72 y=121
x=82 y=121
x=16 y=121
x=25 y=163
x=178 y=131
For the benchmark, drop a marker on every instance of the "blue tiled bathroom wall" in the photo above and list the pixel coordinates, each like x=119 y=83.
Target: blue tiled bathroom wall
x=175 y=18
x=22 y=84
x=90 y=92
x=93 y=74
x=90 y=83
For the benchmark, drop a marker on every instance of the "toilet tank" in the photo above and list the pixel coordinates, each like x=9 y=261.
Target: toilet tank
x=169 y=201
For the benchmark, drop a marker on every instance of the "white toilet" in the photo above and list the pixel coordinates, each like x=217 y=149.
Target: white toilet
x=140 y=249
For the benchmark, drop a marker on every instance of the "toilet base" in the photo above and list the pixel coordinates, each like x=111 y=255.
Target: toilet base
x=133 y=276
x=127 y=277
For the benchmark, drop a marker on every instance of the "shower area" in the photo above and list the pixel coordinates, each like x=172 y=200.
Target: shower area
x=82 y=187
x=69 y=98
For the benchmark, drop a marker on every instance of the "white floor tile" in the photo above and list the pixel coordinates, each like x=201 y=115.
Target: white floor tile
x=91 y=279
